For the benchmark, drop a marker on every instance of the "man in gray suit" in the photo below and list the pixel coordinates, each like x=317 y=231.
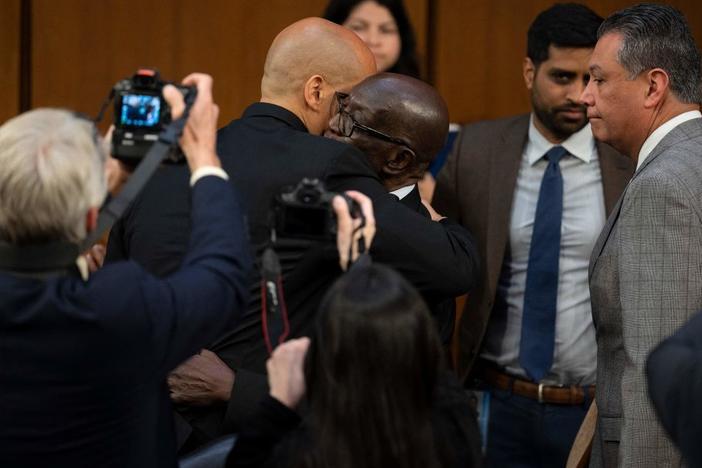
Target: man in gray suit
x=646 y=268
x=535 y=221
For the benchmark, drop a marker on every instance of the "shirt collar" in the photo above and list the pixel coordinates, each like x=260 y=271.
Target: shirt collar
x=580 y=144
x=267 y=109
x=402 y=192
x=660 y=133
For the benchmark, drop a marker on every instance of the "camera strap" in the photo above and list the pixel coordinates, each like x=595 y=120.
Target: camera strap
x=274 y=312
x=159 y=151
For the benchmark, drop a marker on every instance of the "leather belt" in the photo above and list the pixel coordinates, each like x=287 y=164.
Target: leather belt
x=553 y=394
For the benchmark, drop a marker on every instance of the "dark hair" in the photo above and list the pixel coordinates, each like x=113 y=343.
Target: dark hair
x=562 y=25
x=658 y=36
x=407 y=63
x=371 y=374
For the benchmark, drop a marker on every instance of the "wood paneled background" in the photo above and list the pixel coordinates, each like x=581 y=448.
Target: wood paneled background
x=471 y=50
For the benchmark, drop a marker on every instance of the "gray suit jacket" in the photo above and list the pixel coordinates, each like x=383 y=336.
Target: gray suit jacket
x=476 y=188
x=645 y=282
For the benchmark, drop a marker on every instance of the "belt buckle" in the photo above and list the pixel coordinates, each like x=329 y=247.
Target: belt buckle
x=541 y=392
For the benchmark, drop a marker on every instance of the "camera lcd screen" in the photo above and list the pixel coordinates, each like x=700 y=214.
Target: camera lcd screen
x=140 y=110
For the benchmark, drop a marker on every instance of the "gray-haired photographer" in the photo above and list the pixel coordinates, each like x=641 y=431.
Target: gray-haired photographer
x=83 y=357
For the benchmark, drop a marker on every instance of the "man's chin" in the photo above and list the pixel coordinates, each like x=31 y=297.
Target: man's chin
x=598 y=129
x=568 y=127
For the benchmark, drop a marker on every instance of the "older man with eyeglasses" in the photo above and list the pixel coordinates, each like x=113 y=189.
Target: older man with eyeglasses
x=400 y=123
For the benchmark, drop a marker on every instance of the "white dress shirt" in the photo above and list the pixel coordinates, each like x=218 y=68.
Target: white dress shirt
x=575 y=348
x=402 y=192
x=660 y=133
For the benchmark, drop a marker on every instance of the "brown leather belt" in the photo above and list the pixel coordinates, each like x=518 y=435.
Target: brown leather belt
x=558 y=395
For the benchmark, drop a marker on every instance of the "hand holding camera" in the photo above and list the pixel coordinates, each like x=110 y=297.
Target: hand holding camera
x=353 y=230
x=145 y=105
x=199 y=137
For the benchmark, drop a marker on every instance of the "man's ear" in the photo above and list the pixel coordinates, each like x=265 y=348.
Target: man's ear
x=657 y=85
x=314 y=91
x=529 y=72
x=91 y=219
x=399 y=161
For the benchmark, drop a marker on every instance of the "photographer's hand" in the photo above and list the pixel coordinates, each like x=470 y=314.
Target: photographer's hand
x=200 y=133
x=286 y=376
x=348 y=234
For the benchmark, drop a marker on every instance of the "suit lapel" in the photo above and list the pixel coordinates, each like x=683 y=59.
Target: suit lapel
x=505 y=160
x=604 y=235
x=616 y=172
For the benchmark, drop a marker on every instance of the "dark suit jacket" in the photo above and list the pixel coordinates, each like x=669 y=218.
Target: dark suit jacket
x=442 y=309
x=265 y=150
x=476 y=187
x=674 y=374
x=83 y=364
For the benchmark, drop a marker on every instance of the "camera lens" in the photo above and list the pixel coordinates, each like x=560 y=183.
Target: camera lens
x=308 y=195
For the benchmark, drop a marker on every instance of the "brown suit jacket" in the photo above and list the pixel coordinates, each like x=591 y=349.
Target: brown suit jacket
x=476 y=188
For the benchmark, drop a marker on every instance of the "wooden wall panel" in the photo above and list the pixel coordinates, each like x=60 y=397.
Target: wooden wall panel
x=9 y=58
x=479 y=46
x=81 y=47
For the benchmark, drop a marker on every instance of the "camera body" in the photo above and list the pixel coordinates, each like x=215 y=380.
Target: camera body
x=140 y=113
x=305 y=211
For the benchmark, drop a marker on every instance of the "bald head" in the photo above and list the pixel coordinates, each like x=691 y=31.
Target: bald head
x=411 y=116
x=314 y=46
x=406 y=108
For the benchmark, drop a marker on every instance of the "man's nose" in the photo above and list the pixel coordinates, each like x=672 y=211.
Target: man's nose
x=586 y=96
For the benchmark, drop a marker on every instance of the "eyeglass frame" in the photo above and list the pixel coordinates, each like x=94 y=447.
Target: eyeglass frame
x=340 y=97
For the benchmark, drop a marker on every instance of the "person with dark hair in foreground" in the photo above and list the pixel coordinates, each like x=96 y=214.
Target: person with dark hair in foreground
x=645 y=279
x=399 y=123
x=535 y=190
x=374 y=388
x=83 y=360
x=385 y=28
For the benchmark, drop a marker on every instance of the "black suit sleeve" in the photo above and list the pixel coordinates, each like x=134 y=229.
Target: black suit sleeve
x=674 y=371
x=256 y=444
x=249 y=387
x=439 y=259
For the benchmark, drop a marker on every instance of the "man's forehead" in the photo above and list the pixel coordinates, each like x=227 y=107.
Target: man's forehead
x=568 y=57
x=606 y=52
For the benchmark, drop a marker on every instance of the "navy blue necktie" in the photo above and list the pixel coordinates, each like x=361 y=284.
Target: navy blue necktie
x=541 y=293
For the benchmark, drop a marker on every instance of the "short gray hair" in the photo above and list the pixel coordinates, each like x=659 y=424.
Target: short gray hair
x=658 y=36
x=51 y=173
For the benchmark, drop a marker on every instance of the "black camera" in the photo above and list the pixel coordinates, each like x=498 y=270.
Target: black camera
x=305 y=211
x=140 y=115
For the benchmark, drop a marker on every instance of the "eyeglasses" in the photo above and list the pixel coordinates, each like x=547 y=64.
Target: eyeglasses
x=347 y=124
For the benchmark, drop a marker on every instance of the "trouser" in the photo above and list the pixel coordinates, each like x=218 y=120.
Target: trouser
x=525 y=433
